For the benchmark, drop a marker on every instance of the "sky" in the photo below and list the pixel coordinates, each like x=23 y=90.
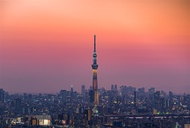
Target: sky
x=47 y=45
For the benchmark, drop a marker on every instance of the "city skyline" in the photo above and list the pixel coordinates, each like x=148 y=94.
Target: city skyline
x=46 y=46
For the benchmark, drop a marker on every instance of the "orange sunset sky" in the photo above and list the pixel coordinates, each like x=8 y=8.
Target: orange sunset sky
x=47 y=45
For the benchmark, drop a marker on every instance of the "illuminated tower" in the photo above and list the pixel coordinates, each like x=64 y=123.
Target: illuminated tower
x=94 y=71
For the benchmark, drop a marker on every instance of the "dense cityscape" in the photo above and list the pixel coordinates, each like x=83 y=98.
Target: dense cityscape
x=94 y=64
x=123 y=106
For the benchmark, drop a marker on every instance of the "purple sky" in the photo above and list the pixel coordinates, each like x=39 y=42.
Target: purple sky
x=47 y=46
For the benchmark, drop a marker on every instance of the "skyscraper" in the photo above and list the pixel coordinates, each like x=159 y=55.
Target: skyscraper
x=1 y=95
x=157 y=99
x=135 y=99
x=83 y=89
x=71 y=93
x=94 y=72
x=63 y=94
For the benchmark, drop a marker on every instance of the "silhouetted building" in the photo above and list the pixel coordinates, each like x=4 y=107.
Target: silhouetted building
x=91 y=95
x=83 y=89
x=63 y=94
x=116 y=87
x=135 y=99
x=113 y=87
x=157 y=99
x=71 y=93
x=151 y=94
x=170 y=99
x=1 y=95
x=151 y=90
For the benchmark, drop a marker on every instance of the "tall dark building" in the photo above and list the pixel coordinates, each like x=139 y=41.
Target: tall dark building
x=157 y=99
x=94 y=72
x=115 y=87
x=63 y=94
x=91 y=95
x=135 y=99
x=83 y=89
x=71 y=92
x=112 y=87
x=171 y=99
x=1 y=95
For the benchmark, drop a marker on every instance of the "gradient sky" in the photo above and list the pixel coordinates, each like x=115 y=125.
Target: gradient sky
x=47 y=45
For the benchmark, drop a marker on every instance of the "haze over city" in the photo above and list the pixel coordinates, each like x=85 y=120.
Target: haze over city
x=46 y=46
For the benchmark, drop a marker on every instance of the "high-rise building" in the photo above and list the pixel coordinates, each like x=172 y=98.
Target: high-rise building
x=63 y=94
x=72 y=90
x=71 y=93
x=157 y=99
x=135 y=99
x=91 y=95
x=141 y=91
x=112 y=87
x=151 y=94
x=171 y=95
x=115 y=87
x=1 y=95
x=94 y=72
x=151 y=90
x=83 y=89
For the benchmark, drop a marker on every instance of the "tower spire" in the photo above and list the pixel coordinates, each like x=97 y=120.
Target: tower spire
x=94 y=43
